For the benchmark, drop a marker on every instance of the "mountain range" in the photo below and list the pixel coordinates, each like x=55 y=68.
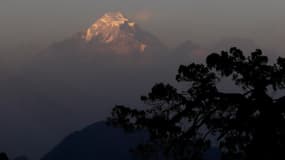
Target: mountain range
x=102 y=142
x=112 y=33
x=77 y=81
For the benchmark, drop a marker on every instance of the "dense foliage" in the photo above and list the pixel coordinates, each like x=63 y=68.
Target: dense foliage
x=182 y=122
x=3 y=156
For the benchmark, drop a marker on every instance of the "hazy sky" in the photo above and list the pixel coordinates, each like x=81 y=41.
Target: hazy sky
x=203 y=21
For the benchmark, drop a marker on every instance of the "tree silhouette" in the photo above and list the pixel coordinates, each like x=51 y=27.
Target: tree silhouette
x=246 y=124
x=3 y=156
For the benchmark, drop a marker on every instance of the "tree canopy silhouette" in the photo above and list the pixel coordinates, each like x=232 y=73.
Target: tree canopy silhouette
x=3 y=156
x=182 y=122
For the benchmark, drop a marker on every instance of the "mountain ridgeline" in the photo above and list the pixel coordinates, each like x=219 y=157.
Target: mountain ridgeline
x=78 y=81
x=115 y=34
x=102 y=142
x=97 y=141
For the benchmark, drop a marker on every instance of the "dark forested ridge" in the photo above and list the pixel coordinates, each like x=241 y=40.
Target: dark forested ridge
x=97 y=141
x=102 y=142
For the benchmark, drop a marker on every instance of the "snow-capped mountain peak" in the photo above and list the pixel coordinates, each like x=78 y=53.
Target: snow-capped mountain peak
x=115 y=34
x=114 y=18
x=108 y=27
